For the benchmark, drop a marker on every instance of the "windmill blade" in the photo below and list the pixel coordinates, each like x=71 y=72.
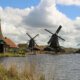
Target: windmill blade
x=36 y=44
x=35 y=36
x=28 y=35
x=50 y=40
x=48 y=31
x=61 y=38
x=59 y=28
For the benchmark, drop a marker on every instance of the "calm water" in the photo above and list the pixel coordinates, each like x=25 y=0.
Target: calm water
x=61 y=67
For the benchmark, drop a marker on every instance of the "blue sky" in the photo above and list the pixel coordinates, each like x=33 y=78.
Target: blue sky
x=70 y=11
x=19 y=3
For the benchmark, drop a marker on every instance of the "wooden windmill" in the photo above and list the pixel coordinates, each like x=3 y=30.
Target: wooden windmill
x=54 y=42
x=32 y=43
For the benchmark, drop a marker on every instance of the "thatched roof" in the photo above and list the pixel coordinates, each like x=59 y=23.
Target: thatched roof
x=10 y=42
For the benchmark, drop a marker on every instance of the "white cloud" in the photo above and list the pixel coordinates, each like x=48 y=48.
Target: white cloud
x=12 y=25
x=16 y=22
x=68 y=2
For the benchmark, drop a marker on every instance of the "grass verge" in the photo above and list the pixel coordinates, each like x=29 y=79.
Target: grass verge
x=12 y=55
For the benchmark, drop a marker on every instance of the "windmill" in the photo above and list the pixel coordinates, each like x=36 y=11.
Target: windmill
x=53 y=42
x=32 y=43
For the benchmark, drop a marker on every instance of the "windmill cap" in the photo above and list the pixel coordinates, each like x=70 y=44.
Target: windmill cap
x=60 y=25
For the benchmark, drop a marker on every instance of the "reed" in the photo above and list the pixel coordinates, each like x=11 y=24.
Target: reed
x=28 y=73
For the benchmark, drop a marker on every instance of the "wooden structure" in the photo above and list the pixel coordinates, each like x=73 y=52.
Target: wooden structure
x=32 y=43
x=53 y=42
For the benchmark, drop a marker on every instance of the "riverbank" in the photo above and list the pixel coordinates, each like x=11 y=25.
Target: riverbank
x=66 y=51
x=12 y=55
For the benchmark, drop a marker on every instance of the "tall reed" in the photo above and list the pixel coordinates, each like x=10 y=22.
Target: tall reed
x=28 y=73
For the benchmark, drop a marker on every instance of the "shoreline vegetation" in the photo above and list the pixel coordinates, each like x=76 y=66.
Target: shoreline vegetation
x=24 y=54
x=27 y=73
x=12 y=55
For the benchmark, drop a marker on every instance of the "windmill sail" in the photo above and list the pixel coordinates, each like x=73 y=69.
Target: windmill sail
x=61 y=38
x=29 y=35
x=35 y=36
x=48 y=31
x=58 y=29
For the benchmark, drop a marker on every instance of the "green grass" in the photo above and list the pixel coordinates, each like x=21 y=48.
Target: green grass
x=28 y=73
x=12 y=55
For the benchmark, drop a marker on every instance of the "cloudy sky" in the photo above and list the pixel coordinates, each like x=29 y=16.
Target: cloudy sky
x=33 y=16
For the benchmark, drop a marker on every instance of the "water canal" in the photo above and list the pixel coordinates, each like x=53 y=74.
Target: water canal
x=61 y=67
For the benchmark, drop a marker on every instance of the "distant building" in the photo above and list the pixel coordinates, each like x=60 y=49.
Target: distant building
x=6 y=43
x=23 y=45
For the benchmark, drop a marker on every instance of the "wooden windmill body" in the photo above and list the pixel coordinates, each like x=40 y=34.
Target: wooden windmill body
x=54 y=40
x=32 y=44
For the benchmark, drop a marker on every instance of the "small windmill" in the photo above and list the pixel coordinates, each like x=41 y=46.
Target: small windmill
x=32 y=43
x=53 y=42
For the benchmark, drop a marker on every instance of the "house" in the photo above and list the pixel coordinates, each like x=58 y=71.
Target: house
x=6 y=43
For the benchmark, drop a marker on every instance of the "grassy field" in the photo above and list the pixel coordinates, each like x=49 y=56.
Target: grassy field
x=12 y=55
x=28 y=73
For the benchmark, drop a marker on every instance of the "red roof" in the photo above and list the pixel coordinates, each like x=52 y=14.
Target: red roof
x=10 y=42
